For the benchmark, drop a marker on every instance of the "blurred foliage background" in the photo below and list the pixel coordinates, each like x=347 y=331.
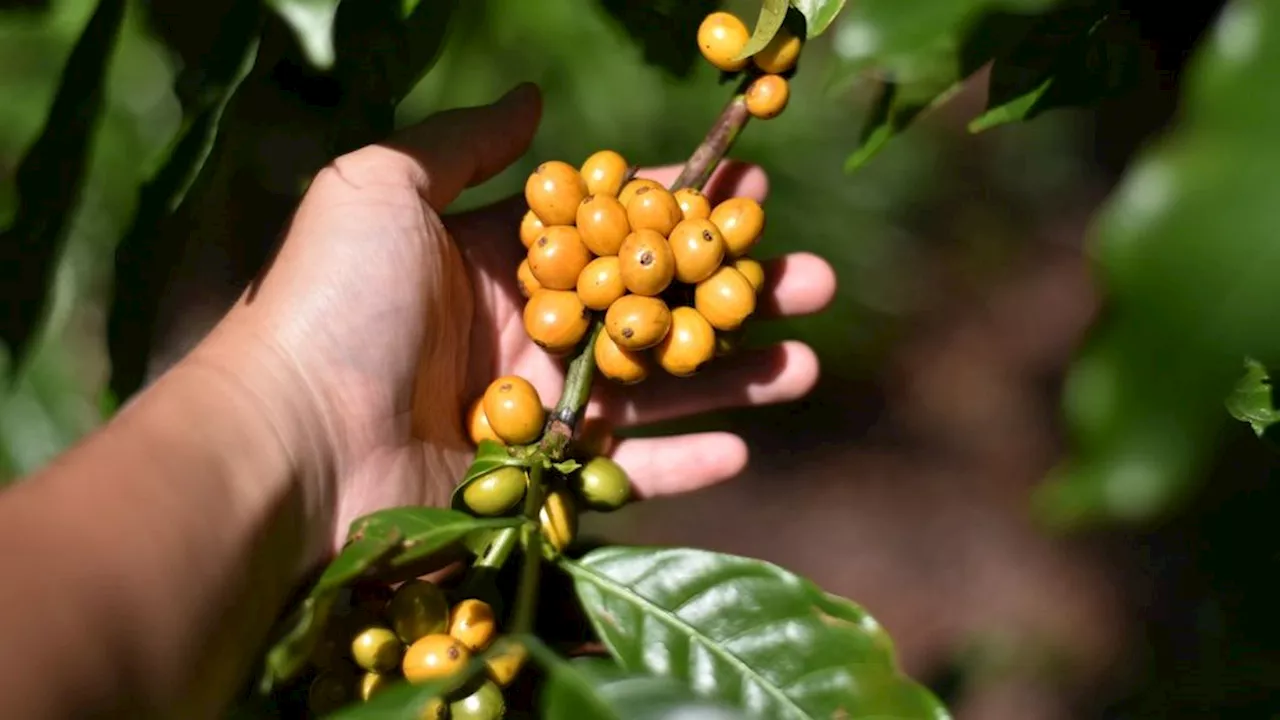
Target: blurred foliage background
x=908 y=480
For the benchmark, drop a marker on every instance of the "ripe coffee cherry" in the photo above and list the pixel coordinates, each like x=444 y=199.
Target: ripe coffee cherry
x=373 y=683
x=478 y=425
x=473 y=624
x=693 y=204
x=629 y=190
x=433 y=657
x=697 y=248
x=602 y=223
x=646 y=262
x=780 y=54
x=653 y=208
x=418 y=608
x=726 y=299
x=767 y=97
x=637 y=322
x=618 y=364
x=559 y=519
x=505 y=662
x=525 y=280
x=601 y=283
x=330 y=691
x=604 y=172
x=486 y=703
x=741 y=221
x=377 y=649
x=752 y=270
x=690 y=344
x=557 y=257
x=495 y=493
x=721 y=36
x=553 y=192
x=602 y=484
x=514 y=409
x=530 y=228
x=556 y=320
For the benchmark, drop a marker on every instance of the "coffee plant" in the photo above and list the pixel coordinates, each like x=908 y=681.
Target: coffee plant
x=625 y=277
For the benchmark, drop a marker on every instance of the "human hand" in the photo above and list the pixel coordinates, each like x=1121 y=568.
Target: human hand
x=378 y=320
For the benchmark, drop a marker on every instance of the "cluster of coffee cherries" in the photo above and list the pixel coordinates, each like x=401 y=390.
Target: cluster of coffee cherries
x=669 y=271
x=380 y=635
x=511 y=412
x=722 y=37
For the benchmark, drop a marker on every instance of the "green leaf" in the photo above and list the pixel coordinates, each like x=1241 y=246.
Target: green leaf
x=665 y=30
x=1186 y=250
x=566 y=467
x=891 y=114
x=772 y=13
x=423 y=530
x=49 y=180
x=818 y=14
x=878 y=31
x=1253 y=400
x=312 y=24
x=745 y=632
x=1072 y=57
x=596 y=688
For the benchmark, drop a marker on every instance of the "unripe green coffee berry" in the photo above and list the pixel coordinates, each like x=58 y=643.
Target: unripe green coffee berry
x=486 y=703
x=495 y=493
x=377 y=649
x=602 y=484
x=418 y=609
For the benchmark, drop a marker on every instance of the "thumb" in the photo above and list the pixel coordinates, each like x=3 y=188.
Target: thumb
x=466 y=146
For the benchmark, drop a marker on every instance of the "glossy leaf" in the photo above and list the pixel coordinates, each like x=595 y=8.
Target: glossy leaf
x=892 y=113
x=772 y=13
x=1074 y=56
x=1186 y=249
x=49 y=180
x=1253 y=399
x=423 y=530
x=597 y=688
x=312 y=25
x=818 y=14
x=745 y=632
x=665 y=30
x=289 y=654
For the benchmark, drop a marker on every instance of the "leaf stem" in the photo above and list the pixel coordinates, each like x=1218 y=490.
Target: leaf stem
x=527 y=590
x=573 y=399
x=498 y=550
x=718 y=141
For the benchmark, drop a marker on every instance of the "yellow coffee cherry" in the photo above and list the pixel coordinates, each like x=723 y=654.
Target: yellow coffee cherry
x=486 y=703
x=646 y=263
x=698 y=249
x=505 y=662
x=495 y=493
x=373 y=683
x=767 y=97
x=514 y=409
x=631 y=188
x=741 y=222
x=637 y=322
x=689 y=345
x=557 y=257
x=478 y=425
x=556 y=320
x=693 y=204
x=752 y=270
x=780 y=54
x=601 y=283
x=527 y=283
x=553 y=192
x=473 y=624
x=604 y=173
x=559 y=519
x=530 y=228
x=433 y=657
x=418 y=608
x=721 y=37
x=330 y=691
x=726 y=299
x=653 y=208
x=618 y=364
x=602 y=224
x=377 y=649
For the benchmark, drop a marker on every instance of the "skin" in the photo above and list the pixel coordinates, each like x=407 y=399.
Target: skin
x=157 y=552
